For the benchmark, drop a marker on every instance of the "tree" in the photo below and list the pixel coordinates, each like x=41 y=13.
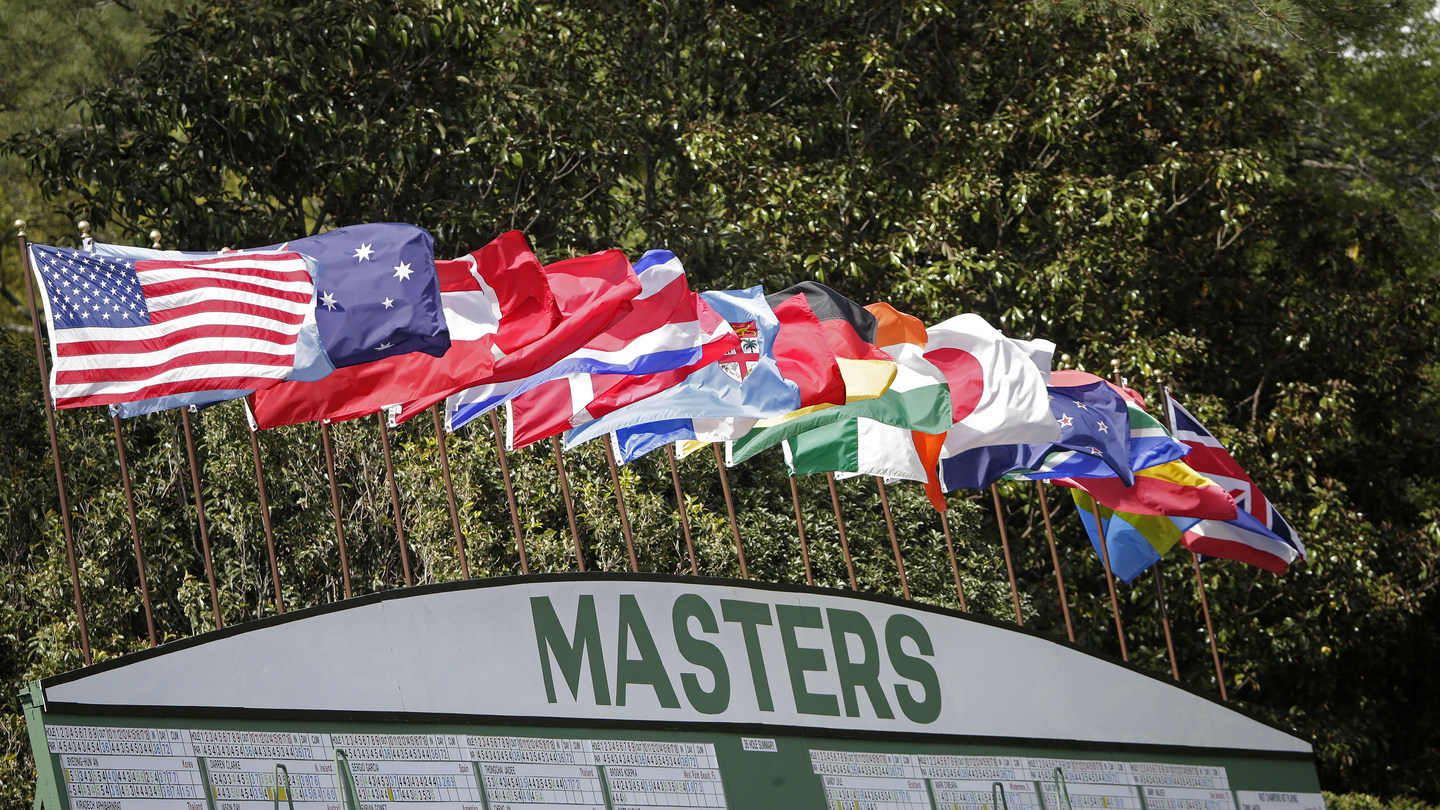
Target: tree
x=1171 y=207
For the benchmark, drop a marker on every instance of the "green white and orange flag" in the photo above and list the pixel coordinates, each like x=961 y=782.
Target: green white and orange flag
x=917 y=399
x=997 y=396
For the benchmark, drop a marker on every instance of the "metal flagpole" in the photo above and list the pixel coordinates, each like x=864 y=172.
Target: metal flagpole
x=195 y=485
x=335 y=504
x=1005 y=543
x=450 y=492
x=1199 y=579
x=1055 y=558
x=200 y=511
x=569 y=504
x=680 y=508
x=1110 y=581
x=800 y=528
x=1159 y=591
x=87 y=244
x=134 y=529
x=1209 y=627
x=894 y=542
x=395 y=499
x=510 y=495
x=620 y=502
x=954 y=565
x=1165 y=620
x=840 y=524
x=730 y=508
x=25 y=270
x=265 y=520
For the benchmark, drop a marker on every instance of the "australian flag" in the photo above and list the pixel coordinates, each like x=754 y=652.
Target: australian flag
x=377 y=294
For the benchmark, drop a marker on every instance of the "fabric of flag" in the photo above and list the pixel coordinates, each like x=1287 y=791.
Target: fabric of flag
x=871 y=437
x=668 y=334
x=748 y=384
x=123 y=330
x=1094 y=422
x=1210 y=458
x=310 y=360
x=1133 y=542
x=377 y=291
x=997 y=385
x=472 y=289
x=849 y=331
x=1244 y=539
x=590 y=293
x=917 y=399
x=665 y=333
x=1172 y=489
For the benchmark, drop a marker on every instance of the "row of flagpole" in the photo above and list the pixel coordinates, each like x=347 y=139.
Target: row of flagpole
x=460 y=546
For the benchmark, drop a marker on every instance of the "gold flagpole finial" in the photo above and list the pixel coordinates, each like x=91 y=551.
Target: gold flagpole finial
x=87 y=242
x=155 y=239
x=20 y=227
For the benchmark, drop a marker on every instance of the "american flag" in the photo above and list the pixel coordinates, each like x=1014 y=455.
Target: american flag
x=123 y=330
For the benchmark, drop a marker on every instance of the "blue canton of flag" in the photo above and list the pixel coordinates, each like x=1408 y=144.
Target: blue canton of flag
x=378 y=293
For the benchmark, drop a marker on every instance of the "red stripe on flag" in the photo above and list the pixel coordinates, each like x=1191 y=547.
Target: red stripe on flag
x=228 y=308
x=159 y=343
x=175 y=286
x=168 y=389
x=254 y=265
x=193 y=359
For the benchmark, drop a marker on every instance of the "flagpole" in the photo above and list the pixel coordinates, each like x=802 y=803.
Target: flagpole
x=450 y=492
x=894 y=542
x=335 y=504
x=620 y=502
x=800 y=529
x=730 y=508
x=1199 y=579
x=25 y=270
x=1055 y=558
x=954 y=565
x=569 y=504
x=1209 y=627
x=680 y=508
x=1110 y=581
x=395 y=499
x=1005 y=543
x=199 y=506
x=87 y=243
x=265 y=517
x=1159 y=591
x=1165 y=620
x=510 y=495
x=840 y=524
x=134 y=529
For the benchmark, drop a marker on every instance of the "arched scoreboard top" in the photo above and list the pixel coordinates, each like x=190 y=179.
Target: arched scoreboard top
x=613 y=691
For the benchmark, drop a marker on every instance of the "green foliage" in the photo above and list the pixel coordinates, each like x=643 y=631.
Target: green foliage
x=1253 y=227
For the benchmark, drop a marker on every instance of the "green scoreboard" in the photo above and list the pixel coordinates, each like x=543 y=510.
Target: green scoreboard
x=619 y=692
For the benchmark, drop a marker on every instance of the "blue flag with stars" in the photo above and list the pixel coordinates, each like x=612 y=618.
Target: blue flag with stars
x=377 y=294
x=1094 y=425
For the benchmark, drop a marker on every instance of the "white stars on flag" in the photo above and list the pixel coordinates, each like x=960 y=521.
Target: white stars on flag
x=363 y=253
